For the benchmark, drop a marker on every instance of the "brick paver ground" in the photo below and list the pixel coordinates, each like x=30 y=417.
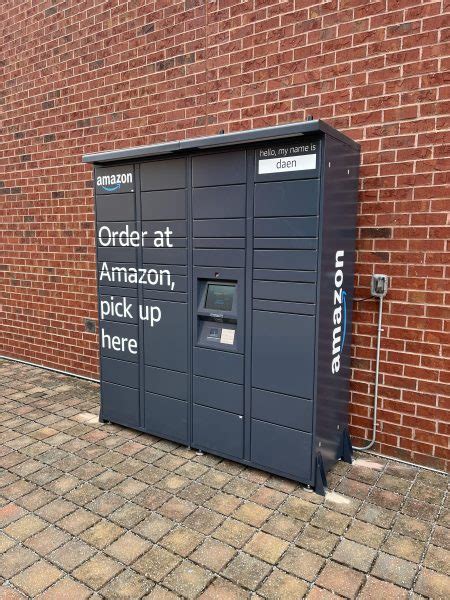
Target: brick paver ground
x=89 y=510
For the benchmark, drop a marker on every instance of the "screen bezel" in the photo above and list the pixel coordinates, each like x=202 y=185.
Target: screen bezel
x=211 y=284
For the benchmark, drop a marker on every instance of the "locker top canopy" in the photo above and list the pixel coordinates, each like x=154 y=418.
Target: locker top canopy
x=220 y=140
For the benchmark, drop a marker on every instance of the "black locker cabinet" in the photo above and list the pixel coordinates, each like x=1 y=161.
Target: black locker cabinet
x=225 y=279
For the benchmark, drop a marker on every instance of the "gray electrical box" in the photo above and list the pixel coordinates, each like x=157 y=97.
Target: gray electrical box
x=225 y=279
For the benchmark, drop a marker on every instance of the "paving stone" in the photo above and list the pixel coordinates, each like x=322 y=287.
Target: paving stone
x=127 y=585
x=97 y=571
x=298 y=508
x=317 y=540
x=444 y=518
x=71 y=555
x=223 y=503
x=341 y=580
x=404 y=547
x=330 y=520
x=156 y=563
x=234 y=533
x=393 y=569
x=247 y=571
x=365 y=533
x=363 y=473
x=420 y=510
x=301 y=563
x=412 y=527
x=16 y=559
x=354 y=555
x=151 y=498
x=47 y=540
x=438 y=559
x=400 y=470
x=374 y=589
x=129 y=488
x=182 y=540
x=177 y=509
x=154 y=527
x=393 y=484
x=63 y=484
x=17 y=489
x=441 y=537
x=192 y=470
x=36 y=578
x=203 y=520
x=188 y=579
x=127 y=548
x=101 y=534
x=220 y=589
x=436 y=480
x=66 y=589
x=56 y=510
x=78 y=521
x=283 y=526
x=432 y=585
x=342 y=504
x=386 y=499
x=280 y=586
x=25 y=527
x=265 y=546
x=108 y=479
x=9 y=513
x=356 y=489
x=128 y=515
x=318 y=593
x=268 y=497
x=213 y=555
x=160 y=593
x=197 y=493
x=6 y=543
x=382 y=517
x=106 y=504
x=426 y=493
x=240 y=487
x=215 y=479
x=36 y=499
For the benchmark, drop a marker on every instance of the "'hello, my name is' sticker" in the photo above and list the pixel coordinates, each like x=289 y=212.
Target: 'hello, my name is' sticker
x=287 y=158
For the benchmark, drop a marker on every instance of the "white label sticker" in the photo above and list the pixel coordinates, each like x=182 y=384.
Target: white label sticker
x=298 y=162
x=227 y=336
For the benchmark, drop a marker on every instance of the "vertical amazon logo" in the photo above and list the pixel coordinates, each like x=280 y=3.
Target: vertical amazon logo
x=339 y=313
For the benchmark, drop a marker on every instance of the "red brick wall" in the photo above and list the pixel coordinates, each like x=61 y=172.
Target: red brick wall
x=86 y=75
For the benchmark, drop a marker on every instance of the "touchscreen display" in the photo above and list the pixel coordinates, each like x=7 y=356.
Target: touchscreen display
x=220 y=297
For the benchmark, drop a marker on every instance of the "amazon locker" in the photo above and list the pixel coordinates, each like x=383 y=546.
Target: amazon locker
x=225 y=279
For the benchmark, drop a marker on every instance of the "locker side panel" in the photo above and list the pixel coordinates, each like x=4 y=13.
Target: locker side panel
x=335 y=297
